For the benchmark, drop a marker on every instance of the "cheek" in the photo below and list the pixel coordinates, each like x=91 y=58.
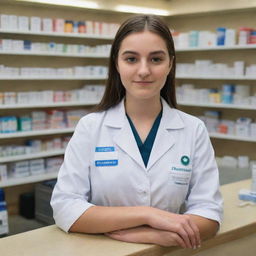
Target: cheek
x=125 y=72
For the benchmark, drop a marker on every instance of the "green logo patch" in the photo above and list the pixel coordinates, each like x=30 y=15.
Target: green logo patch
x=185 y=160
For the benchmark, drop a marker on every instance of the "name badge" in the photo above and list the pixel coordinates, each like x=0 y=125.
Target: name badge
x=106 y=156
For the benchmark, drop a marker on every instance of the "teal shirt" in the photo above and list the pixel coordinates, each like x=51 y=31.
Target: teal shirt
x=146 y=147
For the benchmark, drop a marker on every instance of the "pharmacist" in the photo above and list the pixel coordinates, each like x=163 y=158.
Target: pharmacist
x=136 y=162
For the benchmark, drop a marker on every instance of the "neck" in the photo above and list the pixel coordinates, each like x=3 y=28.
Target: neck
x=142 y=109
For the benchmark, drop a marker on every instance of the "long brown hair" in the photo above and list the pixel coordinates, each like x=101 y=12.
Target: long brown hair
x=115 y=91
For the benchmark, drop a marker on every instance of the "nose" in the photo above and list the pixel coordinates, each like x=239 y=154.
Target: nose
x=144 y=69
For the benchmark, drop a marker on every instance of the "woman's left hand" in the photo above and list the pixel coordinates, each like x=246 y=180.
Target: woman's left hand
x=147 y=235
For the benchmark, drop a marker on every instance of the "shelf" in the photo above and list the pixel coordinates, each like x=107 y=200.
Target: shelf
x=35 y=133
x=56 y=34
x=217 y=48
x=217 y=77
x=49 y=105
x=217 y=105
x=54 y=78
x=92 y=55
x=9 y=159
x=29 y=179
x=231 y=137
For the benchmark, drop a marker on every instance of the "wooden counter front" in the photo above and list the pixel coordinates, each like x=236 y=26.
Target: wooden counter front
x=51 y=241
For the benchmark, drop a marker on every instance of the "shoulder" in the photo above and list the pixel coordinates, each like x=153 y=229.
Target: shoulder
x=189 y=120
x=90 y=120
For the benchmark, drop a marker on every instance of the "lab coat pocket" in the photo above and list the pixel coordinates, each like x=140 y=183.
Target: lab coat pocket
x=180 y=175
x=179 y=178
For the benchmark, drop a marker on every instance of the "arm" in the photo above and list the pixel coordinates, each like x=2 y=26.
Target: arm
x=207 y=228
x=148 y=235
x=179 y=229
x=204 y=201
x=102 y=219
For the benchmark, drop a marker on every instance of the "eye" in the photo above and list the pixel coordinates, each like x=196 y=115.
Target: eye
x=131 y=59
x=156 y=60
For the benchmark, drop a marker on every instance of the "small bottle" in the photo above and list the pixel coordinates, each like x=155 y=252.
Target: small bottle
x=4 y=227
x=253 y=188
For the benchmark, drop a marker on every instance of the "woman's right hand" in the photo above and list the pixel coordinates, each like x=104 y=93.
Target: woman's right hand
x=181 y=224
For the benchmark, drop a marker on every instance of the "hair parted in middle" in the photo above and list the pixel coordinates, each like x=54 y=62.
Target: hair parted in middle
x=115 y=91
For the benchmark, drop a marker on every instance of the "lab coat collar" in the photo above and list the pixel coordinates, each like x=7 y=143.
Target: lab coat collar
x=116 y=116
x=124 y=138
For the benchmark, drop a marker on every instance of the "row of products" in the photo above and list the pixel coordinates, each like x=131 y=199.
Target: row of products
x=4 y=226
x=235 y=162
x=89 y=93
x=52 y=47
x=243 y=126
x=93 y=71
x=48 y=25
x=41 y=120
x=228 y=94
x=208 y=68
x=221 y=37
x=34 y=146
x=30 y=167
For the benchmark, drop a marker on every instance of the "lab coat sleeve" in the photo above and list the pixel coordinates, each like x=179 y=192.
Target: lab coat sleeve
x=204 y=197
x=72 y=190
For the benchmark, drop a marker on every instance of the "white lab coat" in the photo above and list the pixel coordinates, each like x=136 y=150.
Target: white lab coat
x=103 y=166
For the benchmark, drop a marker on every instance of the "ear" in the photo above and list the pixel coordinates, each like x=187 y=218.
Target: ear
x=171 y=63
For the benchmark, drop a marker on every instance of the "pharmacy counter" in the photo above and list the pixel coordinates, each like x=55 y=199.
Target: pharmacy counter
x=239 y=223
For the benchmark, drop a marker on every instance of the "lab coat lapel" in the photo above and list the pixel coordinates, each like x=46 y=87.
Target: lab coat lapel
x=122 y=134
x=165 y=137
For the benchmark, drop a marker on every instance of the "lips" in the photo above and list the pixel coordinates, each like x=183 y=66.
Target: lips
x=143 y=82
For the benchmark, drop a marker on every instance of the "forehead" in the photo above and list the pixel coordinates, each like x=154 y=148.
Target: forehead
x=145 y=41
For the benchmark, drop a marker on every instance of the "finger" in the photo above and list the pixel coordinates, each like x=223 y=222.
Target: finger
x=197 y=233
x=184 y=235
x=113 y=236
x=178 y=240
x=191 y=235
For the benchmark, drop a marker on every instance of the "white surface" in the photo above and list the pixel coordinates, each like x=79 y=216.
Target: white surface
x=45 y=105
x=35 y=133
x=217 y=77
x=53 y=78
x=77 y=35
x=28 y=179
x=231 y=137
x=214 y=48
x=31 y=156
x=217 y=105
x=28 y=52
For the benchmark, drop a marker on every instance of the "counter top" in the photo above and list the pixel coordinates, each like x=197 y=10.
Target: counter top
x=51 y=241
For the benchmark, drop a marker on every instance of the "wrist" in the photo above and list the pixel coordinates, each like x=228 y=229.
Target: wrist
x=147 y=214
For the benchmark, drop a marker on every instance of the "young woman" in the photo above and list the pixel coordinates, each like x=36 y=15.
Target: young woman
x=136 y=161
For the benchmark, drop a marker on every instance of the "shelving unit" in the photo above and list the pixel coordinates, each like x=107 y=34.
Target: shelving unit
x=82 y=78
x=233 y=78
x=28 y=179
x=32 y=156
x=35 y=133
x=53 y=54
x=217 y=48
x=57 y=34
x=217 y=105
x=38 y=83
x=50 y=105
x=223 y=144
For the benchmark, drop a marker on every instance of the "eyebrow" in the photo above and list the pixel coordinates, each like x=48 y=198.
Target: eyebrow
x=151 y=53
